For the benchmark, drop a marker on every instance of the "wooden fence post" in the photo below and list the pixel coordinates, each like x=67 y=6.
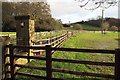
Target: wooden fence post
x=12 y=62
x=48 y=62
x=117 y=64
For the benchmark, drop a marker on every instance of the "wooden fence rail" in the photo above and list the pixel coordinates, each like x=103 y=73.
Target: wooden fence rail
x=49 y=60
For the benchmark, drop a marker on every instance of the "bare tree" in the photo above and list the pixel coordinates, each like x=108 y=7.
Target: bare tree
x=105 y=27
x=95 y=4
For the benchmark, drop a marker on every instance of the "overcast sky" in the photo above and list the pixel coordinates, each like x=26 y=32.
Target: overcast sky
x=69 y=10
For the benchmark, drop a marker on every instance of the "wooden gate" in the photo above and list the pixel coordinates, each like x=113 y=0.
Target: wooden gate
x=49 y=60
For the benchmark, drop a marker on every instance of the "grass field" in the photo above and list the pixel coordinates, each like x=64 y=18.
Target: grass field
x=90 y=28
x=85 y=27
x=82 y=40
x=68 y=28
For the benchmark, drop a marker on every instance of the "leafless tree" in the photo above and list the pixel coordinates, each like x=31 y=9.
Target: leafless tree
x=105 y=26
x=95 y=4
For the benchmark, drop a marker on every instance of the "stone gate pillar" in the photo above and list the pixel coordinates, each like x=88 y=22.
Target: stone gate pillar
x=5 y=40
x=25 y=31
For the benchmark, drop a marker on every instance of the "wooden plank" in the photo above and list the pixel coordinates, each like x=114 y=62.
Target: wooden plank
x=35 y=51
x=84 y=73
x=84 y=62
x=53 y=38
x=30 y=47
x=59 y=43
x=30 y=75
x=70 y=49
x=60 y=35
x=85 y=50
x=43 y=45
x=44 y=39
x=62 y=42
x=30 y=67
x=48 y=62
x=61 y=38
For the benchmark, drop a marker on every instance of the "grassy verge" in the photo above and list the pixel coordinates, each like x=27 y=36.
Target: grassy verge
x=83 y=40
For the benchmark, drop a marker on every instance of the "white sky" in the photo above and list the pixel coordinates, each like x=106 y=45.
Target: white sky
x=69 y=10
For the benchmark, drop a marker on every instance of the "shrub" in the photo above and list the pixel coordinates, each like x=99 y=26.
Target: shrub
x=77 y=27
x=114 y=28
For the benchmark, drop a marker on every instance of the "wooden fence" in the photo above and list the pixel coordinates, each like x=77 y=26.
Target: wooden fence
x=38 y=36
x=56 y=41
x=49 y=60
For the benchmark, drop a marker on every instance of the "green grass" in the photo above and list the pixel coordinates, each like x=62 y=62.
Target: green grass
x=93 y=40
x=84 y=27
x=90 y=28
x=10 y=33
x=6 y=33
x=52 y=36
x=68 y=28
x=82 y=40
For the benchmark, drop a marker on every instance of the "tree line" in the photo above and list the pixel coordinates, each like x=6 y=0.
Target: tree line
x=40 y=11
